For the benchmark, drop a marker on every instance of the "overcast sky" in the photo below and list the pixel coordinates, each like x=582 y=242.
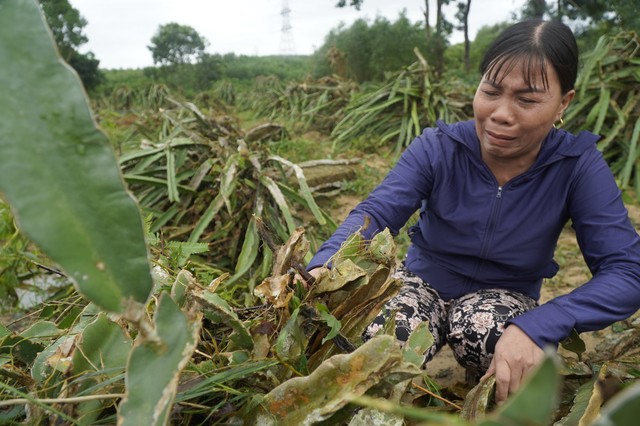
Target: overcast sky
x=119 y=31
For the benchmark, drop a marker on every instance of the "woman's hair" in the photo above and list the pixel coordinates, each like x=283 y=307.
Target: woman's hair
x=536 y=43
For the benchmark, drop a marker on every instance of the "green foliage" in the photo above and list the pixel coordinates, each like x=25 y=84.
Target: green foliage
x=311 y=104
x=67 y=26
x=54 y=160
x=316 y=397
x=205 y=186
x=608 y=103
x=622 y=410
x=189 y=80
x=225 y=91
x=400 y=108
x=248 y=68
x=201 y=183
x=175 y=44
x=604 y=15
x=371 y=50
x=154 y=367
x=536 y=402
x=454 y=56
x=100 y=357
x=12 y=262
x=590 y=19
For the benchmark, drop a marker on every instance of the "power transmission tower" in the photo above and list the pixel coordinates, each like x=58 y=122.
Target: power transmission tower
x=287 y=46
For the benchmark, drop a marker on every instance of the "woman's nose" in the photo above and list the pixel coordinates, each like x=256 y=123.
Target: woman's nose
x=502 y=113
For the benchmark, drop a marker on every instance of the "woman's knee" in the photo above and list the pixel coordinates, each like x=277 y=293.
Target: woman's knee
x=415 y=304
x=476 y=321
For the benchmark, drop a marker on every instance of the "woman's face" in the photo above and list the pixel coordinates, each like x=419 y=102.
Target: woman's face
x=513 y=117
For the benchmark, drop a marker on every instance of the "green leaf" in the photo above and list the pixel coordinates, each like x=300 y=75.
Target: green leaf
x=174 y=143
x=420 y=340
x=330 y=320
x=580 y=404
x=41 y=330
x=218 y=310
x=382 y=248
x=535 y=401
x=249 y=250
x=306 y=400
x=574 y=343
x=632 y=157
x=602 y=108
x=278 y=197
x=172 y=186
x=53 y=357
x=305 y=191
x=291 y=340
x=103 y=348
x=228 y=180
x=477 y=400
x=431 y=417
x=183 y=280
x=206 y=218
x=622 y=409
x=371 y=416
x=154 y=367
x=54 y=160
x=184 y=250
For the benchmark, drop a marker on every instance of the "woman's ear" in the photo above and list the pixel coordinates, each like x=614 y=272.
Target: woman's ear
x=566 y=100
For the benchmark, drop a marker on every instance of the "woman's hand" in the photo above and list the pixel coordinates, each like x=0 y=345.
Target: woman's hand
x=514 y=358
x=314 y=273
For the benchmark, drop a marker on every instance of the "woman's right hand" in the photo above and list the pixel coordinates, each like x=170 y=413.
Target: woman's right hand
x=315 y=273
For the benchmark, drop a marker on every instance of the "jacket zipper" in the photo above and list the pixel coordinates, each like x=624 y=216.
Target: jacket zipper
x=491 y=227
x=493 y=222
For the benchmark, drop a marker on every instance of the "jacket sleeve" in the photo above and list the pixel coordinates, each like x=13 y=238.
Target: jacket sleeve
x=392 y=202
x=611 y=248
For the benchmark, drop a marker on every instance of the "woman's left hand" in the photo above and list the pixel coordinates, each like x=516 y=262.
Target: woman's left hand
x=514 y=358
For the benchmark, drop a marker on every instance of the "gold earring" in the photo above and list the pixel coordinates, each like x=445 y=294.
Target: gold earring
x=560 y=124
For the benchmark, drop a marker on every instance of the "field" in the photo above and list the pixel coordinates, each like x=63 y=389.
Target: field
x=152 y=245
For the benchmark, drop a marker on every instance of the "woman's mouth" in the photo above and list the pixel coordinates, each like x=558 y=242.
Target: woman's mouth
x=500 y=136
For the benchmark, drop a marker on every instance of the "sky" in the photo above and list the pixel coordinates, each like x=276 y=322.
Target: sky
x=119 y=31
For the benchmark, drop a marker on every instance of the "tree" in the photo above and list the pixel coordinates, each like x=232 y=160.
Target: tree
x=175 y=44
x=463 y=16
x=354 y=3
x=365 y=51
x=589 y=19
x=609 y=15
x=439 y=40
x=436 y=42
x=67 y=26
x=534 y=9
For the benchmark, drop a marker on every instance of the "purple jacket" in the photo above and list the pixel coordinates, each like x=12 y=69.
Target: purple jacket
x=473 y=234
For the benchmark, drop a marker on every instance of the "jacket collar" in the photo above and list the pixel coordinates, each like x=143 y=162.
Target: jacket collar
x=557 y=145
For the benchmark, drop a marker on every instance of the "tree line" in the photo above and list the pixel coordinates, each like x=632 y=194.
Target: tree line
x=363 y=51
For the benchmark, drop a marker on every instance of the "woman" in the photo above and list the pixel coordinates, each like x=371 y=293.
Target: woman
x=494 y=194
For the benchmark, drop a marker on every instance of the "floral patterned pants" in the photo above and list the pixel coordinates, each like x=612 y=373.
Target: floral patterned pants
x=471 y=325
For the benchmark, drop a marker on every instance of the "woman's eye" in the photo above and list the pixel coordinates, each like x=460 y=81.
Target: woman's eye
x=490 y=93
x=527 y=101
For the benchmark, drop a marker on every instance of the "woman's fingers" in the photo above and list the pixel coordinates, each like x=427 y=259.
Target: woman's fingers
x=503 y=380
x=515 y=356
